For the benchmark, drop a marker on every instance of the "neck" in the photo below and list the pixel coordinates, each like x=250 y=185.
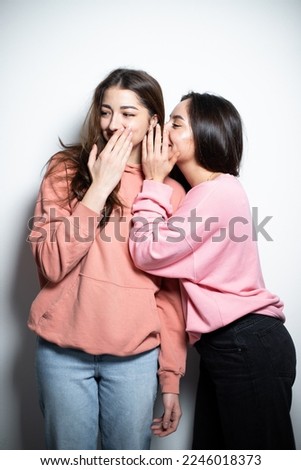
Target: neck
x=135 y=156
x=196 y=174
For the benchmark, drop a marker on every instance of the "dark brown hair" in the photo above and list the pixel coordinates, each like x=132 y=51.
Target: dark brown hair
x=75 y=156
x=217 y=130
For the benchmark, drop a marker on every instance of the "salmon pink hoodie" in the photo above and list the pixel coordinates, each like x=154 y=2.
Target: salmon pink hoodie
x=210 y=243
x=92 y=296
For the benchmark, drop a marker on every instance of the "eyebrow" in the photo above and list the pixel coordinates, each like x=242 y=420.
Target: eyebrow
x=177 y=116
x=121 y=107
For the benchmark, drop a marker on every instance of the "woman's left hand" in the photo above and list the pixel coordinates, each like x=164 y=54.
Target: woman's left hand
x=170 y=419
x=156 y=161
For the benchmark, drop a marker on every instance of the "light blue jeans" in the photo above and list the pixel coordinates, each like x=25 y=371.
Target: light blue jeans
x=82 y=395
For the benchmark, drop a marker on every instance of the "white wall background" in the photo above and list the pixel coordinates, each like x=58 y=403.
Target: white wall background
x=54 y=53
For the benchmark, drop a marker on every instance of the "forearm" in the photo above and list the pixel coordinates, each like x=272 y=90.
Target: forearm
x=95 y=198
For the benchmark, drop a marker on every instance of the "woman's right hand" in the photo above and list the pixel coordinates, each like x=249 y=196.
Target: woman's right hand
x=157 y=162
x=107 y=168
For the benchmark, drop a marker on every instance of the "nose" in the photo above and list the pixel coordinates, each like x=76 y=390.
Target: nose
x=115 y=123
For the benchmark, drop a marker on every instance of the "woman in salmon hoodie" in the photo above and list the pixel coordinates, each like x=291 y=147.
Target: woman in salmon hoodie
x=102 y=324
x=247 y=357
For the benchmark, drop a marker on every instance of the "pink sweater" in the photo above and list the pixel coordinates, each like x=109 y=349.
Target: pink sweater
x=210 y=245
x=92 y=296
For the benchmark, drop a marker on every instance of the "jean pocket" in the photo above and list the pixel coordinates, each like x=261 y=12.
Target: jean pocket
x=280 y=348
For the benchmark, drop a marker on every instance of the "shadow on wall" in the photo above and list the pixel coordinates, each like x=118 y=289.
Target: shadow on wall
x=24 y=288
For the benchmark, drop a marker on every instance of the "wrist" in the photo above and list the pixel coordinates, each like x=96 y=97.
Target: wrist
x=95 y=200
x=155 y=178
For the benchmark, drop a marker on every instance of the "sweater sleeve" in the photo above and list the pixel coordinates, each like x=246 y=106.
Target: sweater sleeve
x=173 y=341
x=158 y=244
x=61 y=232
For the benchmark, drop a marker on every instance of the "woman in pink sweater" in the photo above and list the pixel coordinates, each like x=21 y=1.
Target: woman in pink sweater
x=247 y=357
x=103 y=324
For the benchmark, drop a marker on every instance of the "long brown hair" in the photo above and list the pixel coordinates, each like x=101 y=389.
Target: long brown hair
x=75 y=156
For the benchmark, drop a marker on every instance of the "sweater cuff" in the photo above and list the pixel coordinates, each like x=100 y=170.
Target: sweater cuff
x=155 y=186
x=169 y=382
x=85 y=221
x=154 y=197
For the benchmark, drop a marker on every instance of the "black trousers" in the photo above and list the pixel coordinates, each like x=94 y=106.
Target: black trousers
x=244 y=395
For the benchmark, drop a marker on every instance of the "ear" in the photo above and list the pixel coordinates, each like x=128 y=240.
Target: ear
x=153 y=122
